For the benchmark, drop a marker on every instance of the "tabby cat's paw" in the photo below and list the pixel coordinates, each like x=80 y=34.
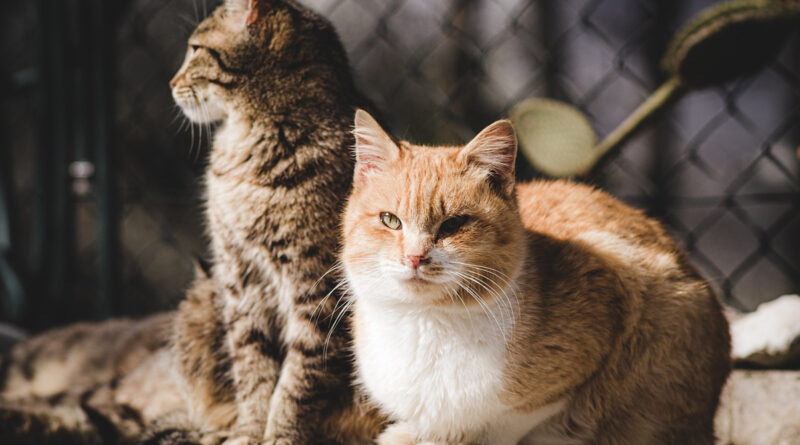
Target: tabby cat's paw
x=241 y=440
x=277 y=441
x=214 y=438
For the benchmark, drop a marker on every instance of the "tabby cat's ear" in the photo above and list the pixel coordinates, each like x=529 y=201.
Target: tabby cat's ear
x=253 y=10
x=494 y=150
x=375 y=149
x=256 y=10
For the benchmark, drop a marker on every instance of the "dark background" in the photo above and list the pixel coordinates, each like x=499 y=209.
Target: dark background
x=115 y=233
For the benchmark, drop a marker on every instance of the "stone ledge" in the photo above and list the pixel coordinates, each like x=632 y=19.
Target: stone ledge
x=760 y=408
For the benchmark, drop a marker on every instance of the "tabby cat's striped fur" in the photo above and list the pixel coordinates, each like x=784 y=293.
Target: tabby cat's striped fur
x=277 y=78
x=89 y=383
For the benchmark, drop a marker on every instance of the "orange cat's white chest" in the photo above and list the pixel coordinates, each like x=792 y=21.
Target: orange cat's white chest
x=440 y=370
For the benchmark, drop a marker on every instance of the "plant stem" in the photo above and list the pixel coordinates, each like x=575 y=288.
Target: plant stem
x=662 y=96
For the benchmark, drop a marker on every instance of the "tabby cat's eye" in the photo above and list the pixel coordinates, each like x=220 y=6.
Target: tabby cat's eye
x=452 y=225
x=391 y=221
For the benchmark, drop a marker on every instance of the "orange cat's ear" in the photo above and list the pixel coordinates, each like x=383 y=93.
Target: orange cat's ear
x=375 y=149
x=494 y=150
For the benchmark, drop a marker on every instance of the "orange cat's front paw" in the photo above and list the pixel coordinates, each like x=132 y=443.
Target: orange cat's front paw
x=397 y=434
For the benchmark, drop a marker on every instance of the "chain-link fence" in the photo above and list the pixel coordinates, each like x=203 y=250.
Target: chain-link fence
x=720 y=167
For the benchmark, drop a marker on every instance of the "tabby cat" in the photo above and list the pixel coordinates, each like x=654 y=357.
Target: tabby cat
x=255 y=357
x=89 y=383
x=548 y=312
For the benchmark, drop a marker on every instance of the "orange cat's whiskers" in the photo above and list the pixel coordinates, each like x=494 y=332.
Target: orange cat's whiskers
x=336 y=267
x=316 y=312
x=491 y=270
x=491 y=287
x=342 y=312
x=343 y=283
x=506 y=281
x=499 y=294
x=489 y=311
x=482 y=304
x=450 y=292
x=450 y=295
x=495 y=272
x=506 y=313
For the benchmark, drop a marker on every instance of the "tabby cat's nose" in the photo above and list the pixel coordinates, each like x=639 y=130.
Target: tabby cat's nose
x=173 y=82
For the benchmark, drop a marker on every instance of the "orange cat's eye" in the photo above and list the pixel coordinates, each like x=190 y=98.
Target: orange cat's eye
x=391 y=221
x=451 y=225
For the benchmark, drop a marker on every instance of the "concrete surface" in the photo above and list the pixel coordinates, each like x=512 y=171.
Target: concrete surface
x=760 y=408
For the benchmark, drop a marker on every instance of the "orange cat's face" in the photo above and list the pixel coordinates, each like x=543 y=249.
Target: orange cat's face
x=435 y=225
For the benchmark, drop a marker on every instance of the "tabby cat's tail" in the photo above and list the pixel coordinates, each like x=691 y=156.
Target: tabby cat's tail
x=44 y=422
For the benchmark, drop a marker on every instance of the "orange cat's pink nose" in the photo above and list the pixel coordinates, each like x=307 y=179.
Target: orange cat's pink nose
x=173 y=82
x=416 y=260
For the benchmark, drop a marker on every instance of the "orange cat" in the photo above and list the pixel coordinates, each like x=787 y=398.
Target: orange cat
x=549 y=312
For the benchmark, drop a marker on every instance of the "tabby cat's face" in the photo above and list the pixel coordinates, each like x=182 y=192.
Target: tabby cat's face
x=249 y=51
x=432 y=224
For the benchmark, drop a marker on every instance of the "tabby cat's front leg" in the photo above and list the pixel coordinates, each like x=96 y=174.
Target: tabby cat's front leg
x=256 y=358
x=314 y=376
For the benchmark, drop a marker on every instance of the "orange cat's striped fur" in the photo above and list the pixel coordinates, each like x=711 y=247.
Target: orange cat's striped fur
x=548 y=312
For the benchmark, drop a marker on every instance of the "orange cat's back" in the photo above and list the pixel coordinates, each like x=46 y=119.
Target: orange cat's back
x=565 y=210
x=598 y=262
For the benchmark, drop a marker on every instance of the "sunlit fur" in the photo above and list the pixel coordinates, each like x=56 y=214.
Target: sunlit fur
x=414 y=188
x=202 y=87
x=556 y=314
x=201 y=101
x=252 y=338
